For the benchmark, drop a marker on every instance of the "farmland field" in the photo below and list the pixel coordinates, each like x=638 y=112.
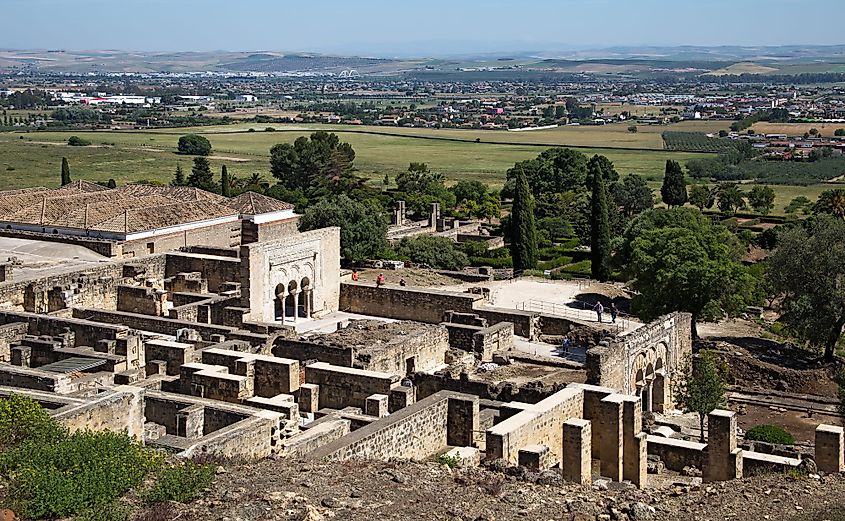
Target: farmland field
x=796 y=129
x=134 y=155
x=130 y=156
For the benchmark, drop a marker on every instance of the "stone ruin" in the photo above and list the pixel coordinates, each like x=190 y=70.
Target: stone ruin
x=235 y=352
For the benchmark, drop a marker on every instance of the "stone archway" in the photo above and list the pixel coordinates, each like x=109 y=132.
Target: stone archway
x=279 y=302
x=292 y=300
x=306 y=298
x=659 y=397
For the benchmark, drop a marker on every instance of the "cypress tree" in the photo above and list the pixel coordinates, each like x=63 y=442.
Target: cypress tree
x=225 y=187
x=599 y=223
x=674 y=189
x=201 y=176
x=65 y=172
x=523 y=231
x=178 y=177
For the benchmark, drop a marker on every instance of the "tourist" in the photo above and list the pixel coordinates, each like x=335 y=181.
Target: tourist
x=354 y=276
x=613 y=312
x=599 y=309
x=380 y=280
x=402 y=281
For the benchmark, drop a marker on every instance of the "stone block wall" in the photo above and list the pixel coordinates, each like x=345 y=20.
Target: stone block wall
x=348 y=387
x=305 y=350
x=223 y=235
x=141 y=299
x=119 y=410
x=215 y=270
x=525 y=323
x=416 y=432
x=540 y=423
x=403 y=303
x=421 y=350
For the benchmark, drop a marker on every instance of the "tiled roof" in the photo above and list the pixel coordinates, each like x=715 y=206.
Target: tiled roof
x=251 y=203
x=128 y=209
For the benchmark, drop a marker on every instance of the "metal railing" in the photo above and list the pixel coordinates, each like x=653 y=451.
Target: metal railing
x=567 y=310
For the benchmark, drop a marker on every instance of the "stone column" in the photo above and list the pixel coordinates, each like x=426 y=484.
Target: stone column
x=723 y=460
x=830 y=448
x=309 y=398
x=463 y=420
x=400 y=397
x=610 y=429
x=295 y=306
x=633 y=442
x=281 y=297
x=577 y=451
x=376 y=405
x=309 y=303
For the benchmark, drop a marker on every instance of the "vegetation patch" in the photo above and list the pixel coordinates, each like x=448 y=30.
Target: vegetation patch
x=181 y=483
x=695 y=142
x=770 y=434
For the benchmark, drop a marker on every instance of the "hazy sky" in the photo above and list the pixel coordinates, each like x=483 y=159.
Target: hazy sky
x=394 y=27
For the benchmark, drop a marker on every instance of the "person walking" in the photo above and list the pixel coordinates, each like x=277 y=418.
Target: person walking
x=599 y=309
x=354 y=276
x=613 y=312
x=380 y=280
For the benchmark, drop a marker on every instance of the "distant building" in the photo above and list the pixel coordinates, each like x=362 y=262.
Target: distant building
x=246 y=98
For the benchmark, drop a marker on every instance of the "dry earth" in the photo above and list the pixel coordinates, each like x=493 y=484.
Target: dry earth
x=279 y=490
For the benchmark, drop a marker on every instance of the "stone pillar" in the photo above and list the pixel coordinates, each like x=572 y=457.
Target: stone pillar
x=295 y=306
x=309 y=302
x=536 y=457
x=400 y=397
x=723 y=460
x=610 y=429
x=830 y=448
x=660 y=393
x=190 y=421
x=463 y=420
x=309 y=398
x=577 y=451
x=281 y=297
x=633 y=442
x=435 y=215
x=376 y=405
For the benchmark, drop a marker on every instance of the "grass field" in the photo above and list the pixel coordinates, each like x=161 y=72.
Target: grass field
x=132 y=156
x=796 y=129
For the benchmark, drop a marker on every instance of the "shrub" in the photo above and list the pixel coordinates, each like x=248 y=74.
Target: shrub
x=449 y=461
x=76 y=141
x=437 y=252
x=770 y=434
x=497 y=263
x=77 y=473
x=578 y=268
x=23 y=419
x=557 y=262
x=194 y=145
x=106 y=512
x=180 y=483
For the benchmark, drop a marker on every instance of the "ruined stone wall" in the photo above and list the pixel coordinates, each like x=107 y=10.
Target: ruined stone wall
x=428 y=384
x=85 y=333
x=659 y=347
x=119 y=410
x=304 y=351
x=481 y=341
x=10 y=333
x=276 y=229
x=524 y=322
x=347 y=387
x=95 y=287
x=140 y=299
x=148 y=323
x=403 y=303
x=104 y=247
x=224 y=235
x=541 y=423
x=677 y=454
x=422 y=350
x=415 y=432
x=216 y=270
x=267 y=267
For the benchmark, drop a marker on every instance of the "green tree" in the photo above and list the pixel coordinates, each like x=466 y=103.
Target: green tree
x=831 y=202
x=363 y=230
x=555 y=170
x=65 y=172
x=798 y=203
x=225 y=183
x=201 y=176
x=808 y=272
x=599 y=223
x=680 y=261
x=194 y=145
x=702 y=197
x=316 y=165
x=731 y=198
x=762 y=199
x=632 y=195
x=178 y=177
x=674 y=189
x=437 y=252
x=522 y=231
x=702 y=387
x=839 y=132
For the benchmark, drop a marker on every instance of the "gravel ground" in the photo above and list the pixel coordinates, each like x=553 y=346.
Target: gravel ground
x=283 y=490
